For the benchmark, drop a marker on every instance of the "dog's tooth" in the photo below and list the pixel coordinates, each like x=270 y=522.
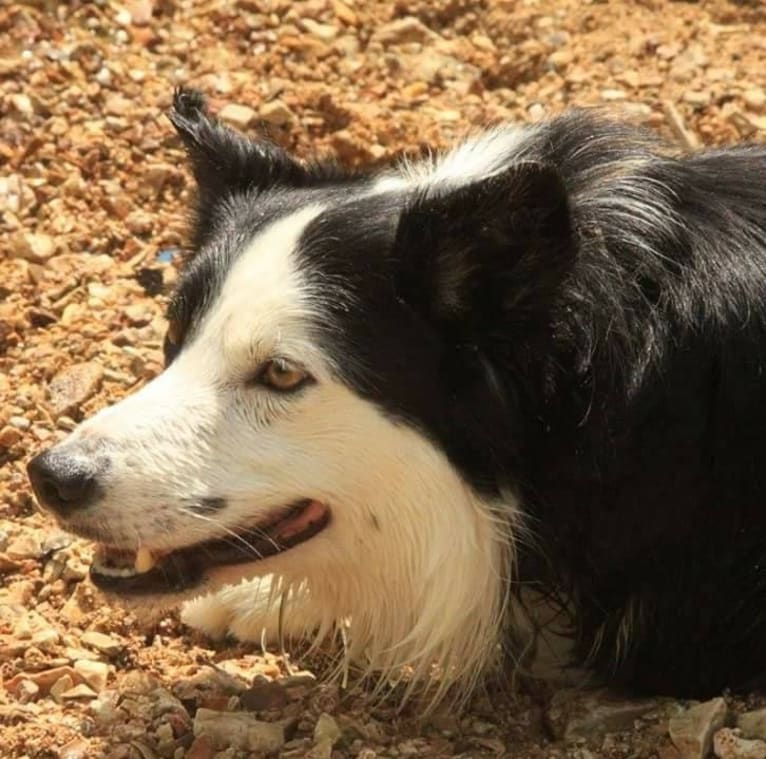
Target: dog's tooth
x=144 y=560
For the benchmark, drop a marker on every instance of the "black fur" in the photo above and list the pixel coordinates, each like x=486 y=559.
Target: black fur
x=587 y=328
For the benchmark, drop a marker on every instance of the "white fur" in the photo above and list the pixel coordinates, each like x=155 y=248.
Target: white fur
x=414 y=565
x=476 y=158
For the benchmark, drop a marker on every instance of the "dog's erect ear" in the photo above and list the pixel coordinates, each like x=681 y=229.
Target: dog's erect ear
x=224 y=161
x=488 y=258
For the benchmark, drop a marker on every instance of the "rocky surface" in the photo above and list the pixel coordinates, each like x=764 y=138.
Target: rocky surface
x=92 y=221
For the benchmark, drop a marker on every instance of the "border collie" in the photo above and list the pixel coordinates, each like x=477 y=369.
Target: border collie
x=411 y=405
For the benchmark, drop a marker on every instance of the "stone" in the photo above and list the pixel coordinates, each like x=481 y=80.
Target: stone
x=75 y=749
x=77 y=692
x=276 y=112
x=729 y=744
x=74 y=385
x=692 y=731
x=61 y=686
x=324 y=32
x=27 y=691
x=202 y=748
x=239 y=730
x=755 y=98
x=24 y=547
x=344 y=13
x=139 y=223
x=9 y=436
x=327 y=729
x=103 y=643
x=753 y=724
x=402 y=31
x=262 y=696
x=94 y=673
x=33 y=246
x=574 y=714
x=239 y=116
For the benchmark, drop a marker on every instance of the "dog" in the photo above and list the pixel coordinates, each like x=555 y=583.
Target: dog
x=411 y=405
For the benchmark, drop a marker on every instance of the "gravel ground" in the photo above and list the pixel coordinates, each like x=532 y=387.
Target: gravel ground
x=92 y=199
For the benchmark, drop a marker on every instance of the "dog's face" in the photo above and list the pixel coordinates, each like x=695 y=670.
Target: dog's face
x=330 y=412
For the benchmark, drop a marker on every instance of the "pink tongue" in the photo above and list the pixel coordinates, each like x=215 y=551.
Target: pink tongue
x=287 y=528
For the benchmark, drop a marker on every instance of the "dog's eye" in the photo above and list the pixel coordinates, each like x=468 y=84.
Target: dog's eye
x=282 y=376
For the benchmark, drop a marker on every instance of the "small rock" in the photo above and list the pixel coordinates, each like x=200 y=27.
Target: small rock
x=692 y=731
x=24 y=547
x=202 y=748
x=728 y=744
x=139 y=223
x=33 y=246
x=613 y=95
x=402 y=31
x=753 y=724
x=103 y=643
x=276 y=112
x=44 y=680
x=75 y=749
x=574 y=715
x=263 y=696
x=324 y=32
x=117 y=105
x=76 y=693
x=239 y=116
x=344 y=13
x=27 y=691
x=140 y=12
x=9 y=436
x=73 y=386
x=755 y=98
x=95 y=673
x=239 y=730
x=326 y=730
x=61 y=686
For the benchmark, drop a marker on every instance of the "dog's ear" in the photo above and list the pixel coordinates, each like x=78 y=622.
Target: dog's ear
x=224 y=161
x=484 y=261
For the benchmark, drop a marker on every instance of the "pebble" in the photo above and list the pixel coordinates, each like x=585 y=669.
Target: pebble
x=324 y=32
x=139 y=222
x=692 y=731
x=9 y=436
x=262 y=696
x=75 y=749
x=753 y=724
x=103 y=643
x=729 y=744
x=24 y=547
x=27 y=691
x=326 y=731
x=239 y=116
x=239 y=730
x=755 y=98
x=32 y=246
x=77 y=692
x=94 y=673
x=73 y=386
x=61 y=686
x=344 y=13
x=202 y=748
x=404 y=30
x=574 y=714
x=276 y=112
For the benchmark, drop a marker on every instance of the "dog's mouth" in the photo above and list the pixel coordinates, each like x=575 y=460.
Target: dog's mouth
x=146 y=571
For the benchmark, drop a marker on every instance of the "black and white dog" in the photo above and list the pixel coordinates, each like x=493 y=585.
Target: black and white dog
x=410 y=404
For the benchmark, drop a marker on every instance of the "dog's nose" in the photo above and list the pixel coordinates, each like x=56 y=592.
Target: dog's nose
x=62 y=483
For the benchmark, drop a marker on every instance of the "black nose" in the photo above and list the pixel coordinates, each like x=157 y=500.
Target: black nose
x=62 y=483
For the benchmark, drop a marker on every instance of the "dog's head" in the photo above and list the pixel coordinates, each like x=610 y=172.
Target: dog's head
x=339 y=402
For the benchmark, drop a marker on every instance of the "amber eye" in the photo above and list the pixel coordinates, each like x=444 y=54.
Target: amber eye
x=282 y=376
